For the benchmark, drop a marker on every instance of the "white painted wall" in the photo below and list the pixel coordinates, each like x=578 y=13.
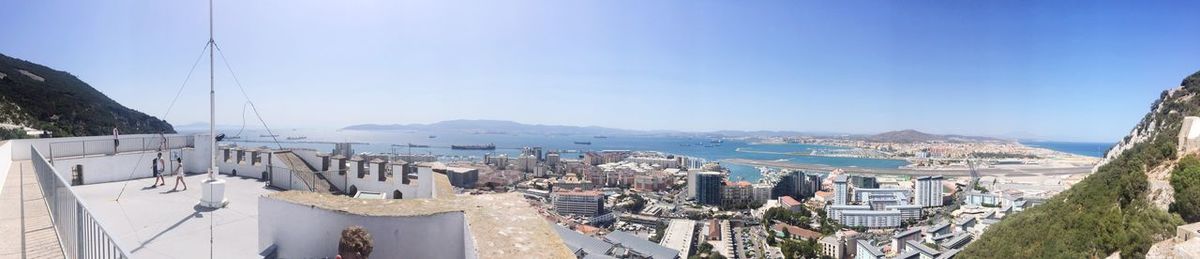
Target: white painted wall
x=96 y=144
x=5 y=161
x=301 y=231
x=103 y=169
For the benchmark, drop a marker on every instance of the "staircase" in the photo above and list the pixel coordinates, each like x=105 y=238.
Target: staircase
x=307 y=173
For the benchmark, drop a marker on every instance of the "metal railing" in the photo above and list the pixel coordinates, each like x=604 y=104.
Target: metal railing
x=79 y=233
x=75 y=148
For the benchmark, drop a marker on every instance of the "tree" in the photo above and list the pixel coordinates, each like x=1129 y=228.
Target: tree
x=1185 y=179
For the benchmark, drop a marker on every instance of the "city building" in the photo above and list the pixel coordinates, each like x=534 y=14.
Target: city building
x=929 y=191
x=761 y=192
x=900 y=238
x=570 y=182
x=636 y=247
x=708 y=188
x=864 y=181
x=924 y=251
x=737 y=194
x=679 y=235
x=870 y=218
x=578 y=202
x=661 y=162
x=789 y=183
x=790 y=204
x=866 y=250
x=840 y=190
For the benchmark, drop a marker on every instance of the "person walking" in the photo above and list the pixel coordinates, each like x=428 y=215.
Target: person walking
x=116 y=140
x=179 y=174
x=158 y=167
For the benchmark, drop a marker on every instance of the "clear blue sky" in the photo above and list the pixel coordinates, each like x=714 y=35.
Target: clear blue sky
x=1066 y=70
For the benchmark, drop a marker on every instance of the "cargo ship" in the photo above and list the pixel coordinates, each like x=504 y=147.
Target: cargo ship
x=583 y=142
x=416 y=145
x=474 y=147
x=297 y=138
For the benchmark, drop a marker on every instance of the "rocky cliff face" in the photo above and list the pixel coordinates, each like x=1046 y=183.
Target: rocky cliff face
x=1160 y=192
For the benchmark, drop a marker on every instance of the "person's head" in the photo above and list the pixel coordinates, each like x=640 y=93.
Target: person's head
x=159 y=155
x=355 y=243
x=179 y=160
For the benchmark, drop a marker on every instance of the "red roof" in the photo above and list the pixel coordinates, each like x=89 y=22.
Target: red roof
x=796 y=232
x=788 y=201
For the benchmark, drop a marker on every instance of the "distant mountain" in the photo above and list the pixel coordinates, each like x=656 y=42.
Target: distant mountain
x=510 y=127
x=36 y=96
x=912 y=136
x=499 y=127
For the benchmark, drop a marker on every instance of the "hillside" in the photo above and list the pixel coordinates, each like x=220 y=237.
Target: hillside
x=913 y=136
x=36 y=96
x=1113 y=210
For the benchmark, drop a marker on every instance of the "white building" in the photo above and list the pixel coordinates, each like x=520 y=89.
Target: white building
x=578 y=202
x=679 y=235
x=929 y=191
x=840 y=190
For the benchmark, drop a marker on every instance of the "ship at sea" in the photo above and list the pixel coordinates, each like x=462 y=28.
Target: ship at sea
x=474 y=147
x=297 y=138
x=267 y=136
x=600 y=137
x=416 y=145
x=583 y=142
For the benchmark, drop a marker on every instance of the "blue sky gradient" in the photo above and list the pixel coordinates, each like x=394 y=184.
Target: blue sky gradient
x=1063 y=70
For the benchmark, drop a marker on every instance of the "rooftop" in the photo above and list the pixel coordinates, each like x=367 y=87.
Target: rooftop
x=640 y=245
x=160 y=223
x=922 y=248
x=502 y=224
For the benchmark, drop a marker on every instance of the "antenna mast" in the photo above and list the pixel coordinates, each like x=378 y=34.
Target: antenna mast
x=212 y=98
x=213 y=188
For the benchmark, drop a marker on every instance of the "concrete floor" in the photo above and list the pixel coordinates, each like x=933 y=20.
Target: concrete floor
x=161 y=223
x=32 y=236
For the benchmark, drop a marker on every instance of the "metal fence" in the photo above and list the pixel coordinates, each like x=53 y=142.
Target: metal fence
x=105 y=146
x=80 y=234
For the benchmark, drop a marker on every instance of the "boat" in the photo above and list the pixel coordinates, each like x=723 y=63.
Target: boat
x=474 y=147
x=600 y=137
x=297 y=138
x=432 y=136
x=416 y=145
x=267 y=136
x=234 y=137
x=583 y=143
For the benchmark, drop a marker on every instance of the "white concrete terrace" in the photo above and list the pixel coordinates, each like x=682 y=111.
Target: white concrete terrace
x=163 y=223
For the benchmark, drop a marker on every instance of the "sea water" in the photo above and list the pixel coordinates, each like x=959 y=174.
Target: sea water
x=511 y=144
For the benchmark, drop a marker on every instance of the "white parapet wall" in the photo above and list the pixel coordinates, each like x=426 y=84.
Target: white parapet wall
x=5 y=161
x=303 y=231
x=95 y=155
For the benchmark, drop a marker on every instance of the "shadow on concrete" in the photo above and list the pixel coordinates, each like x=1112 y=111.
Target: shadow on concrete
x=172 y=227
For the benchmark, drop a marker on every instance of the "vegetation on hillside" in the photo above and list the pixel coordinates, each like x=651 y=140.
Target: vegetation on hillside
x=1107 y=211
x=58 y=102
x=12 y=134
x=1186 y=182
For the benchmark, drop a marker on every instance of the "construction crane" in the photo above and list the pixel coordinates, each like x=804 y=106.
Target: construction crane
x=974 y=174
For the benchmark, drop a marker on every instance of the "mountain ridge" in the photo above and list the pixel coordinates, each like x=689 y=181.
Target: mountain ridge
x=505 y=126
x=37 y=96
x=1119 y=207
